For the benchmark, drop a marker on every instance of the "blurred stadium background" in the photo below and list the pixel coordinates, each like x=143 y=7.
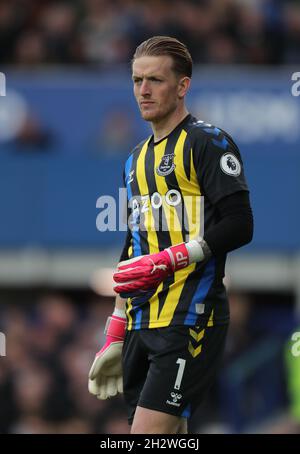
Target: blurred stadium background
x=67 y=123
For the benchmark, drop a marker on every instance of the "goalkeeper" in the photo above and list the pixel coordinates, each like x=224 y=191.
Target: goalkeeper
x=188 y=205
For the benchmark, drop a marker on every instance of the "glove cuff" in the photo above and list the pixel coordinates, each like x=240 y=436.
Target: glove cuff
x=184 y=254
x=115 y=327
x=179 y=256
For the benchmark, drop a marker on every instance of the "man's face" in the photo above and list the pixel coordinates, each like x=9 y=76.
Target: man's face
x=157 y=88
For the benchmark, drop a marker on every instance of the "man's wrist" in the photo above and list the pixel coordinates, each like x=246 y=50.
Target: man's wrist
x=119 y=312
x=198 y=250
x=205 y=248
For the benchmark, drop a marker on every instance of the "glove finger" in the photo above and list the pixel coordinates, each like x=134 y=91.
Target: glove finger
x=130 y=274
x=98 y=364
x=127 y=287
x=129 y=262
x=93 y=387
x=93 y=370
x=111 y=388
x=143 y=283
x=102 y=394
x=137 y=287
x=136 y=263
x=128 y=292
x=120 y=384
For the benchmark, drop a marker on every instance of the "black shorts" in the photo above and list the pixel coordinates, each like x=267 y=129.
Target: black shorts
x=171 y=369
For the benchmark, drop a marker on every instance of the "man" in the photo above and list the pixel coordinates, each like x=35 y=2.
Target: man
x=188 y=206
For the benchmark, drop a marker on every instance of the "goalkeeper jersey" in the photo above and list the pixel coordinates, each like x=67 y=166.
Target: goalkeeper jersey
x=173 y=186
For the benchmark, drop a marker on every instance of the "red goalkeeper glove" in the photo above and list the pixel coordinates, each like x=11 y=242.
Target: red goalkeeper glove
x=105 y=376
x=146 y=272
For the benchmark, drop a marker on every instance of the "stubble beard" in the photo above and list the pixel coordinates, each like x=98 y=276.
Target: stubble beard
x=159 y=116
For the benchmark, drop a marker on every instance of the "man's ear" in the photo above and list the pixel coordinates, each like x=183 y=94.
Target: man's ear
x=183 y=86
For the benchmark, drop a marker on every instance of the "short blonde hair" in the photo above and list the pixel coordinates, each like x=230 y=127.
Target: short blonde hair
x=166 y=45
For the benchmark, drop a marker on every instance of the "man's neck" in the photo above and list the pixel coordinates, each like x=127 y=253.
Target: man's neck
x=163 y=128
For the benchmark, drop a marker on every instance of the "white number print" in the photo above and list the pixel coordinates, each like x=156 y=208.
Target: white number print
x=178 y=381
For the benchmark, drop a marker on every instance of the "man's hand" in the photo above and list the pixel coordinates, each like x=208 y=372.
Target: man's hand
x=105 y=376
x=144 y=273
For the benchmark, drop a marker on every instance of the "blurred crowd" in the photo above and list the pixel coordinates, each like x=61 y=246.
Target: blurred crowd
x=106 y=32
x=43 y=379
x=51 y=342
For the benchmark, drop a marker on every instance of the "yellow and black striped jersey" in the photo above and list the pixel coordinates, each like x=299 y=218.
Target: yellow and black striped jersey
x=172 y=187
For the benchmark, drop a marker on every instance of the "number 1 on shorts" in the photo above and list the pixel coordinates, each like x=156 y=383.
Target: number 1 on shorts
x=178 y=381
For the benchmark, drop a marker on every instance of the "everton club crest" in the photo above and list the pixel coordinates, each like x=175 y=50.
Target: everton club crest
x=166 y=165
